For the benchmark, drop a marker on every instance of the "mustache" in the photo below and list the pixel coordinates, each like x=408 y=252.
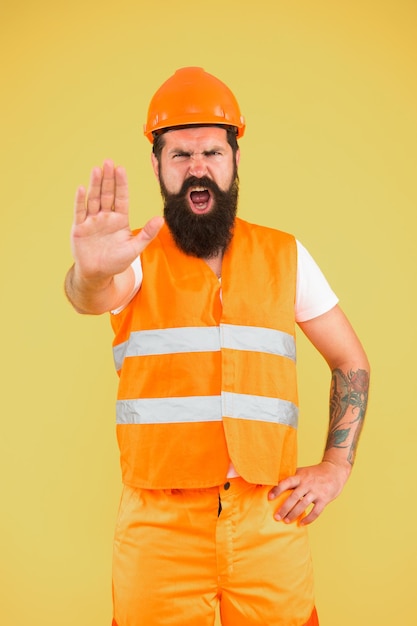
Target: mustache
x=193 y=181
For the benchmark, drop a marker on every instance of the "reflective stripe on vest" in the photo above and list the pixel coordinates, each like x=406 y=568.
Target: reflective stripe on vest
x=205 y=339
x=206 y=409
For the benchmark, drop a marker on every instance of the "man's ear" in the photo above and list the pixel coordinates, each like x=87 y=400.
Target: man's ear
x=155 y=165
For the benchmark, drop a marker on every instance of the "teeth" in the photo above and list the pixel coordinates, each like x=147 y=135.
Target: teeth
x=199 y=189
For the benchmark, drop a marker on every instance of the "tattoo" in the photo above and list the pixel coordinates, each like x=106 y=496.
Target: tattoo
x=348 y=401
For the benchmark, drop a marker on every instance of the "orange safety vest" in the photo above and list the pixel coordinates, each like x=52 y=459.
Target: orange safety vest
x=207 y=371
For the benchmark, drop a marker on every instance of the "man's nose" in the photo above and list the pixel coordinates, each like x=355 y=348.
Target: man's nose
x=198 y=165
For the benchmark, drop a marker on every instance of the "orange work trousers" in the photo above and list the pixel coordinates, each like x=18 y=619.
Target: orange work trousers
x=181 y=553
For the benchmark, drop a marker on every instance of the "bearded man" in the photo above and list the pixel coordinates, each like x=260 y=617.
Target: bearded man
x=214 y=511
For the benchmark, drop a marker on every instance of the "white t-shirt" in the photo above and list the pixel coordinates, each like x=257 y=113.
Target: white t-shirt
x=314 y=295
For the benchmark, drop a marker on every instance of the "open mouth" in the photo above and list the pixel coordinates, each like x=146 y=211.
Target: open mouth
x=200 y=199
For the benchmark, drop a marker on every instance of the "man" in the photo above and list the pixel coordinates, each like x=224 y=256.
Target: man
x=203 y=306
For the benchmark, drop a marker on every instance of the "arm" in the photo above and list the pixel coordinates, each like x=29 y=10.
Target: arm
x=103 y=246
x=334 y=337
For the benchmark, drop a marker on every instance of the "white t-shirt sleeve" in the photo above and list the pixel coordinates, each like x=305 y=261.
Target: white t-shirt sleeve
x=137 y=270
x=314 y=295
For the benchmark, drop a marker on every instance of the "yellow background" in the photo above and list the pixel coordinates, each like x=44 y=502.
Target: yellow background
x=328 y=89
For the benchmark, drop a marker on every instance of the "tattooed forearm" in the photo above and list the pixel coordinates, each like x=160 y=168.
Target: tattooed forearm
x=348 y=400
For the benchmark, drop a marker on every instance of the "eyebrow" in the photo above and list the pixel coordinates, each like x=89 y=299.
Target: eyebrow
x=215 y=148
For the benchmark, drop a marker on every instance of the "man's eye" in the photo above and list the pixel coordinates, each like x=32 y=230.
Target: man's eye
x=180 y=155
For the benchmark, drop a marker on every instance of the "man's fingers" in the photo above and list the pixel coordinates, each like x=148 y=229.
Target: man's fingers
x=108 y=186
x=285 y=485
x=149 y=232
x=152 y=227
x=94 y=192
x=294 y=506
x=108 y=189
x=313 y=515
x=80 y=210
x=121 y=199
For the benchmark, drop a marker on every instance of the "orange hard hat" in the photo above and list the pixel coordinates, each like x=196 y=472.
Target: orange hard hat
x=192 y=96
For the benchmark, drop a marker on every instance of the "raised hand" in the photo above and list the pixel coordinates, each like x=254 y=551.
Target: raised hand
x=103 y=245
x=102 y=242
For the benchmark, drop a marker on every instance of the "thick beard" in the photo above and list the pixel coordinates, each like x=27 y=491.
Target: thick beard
x=207 y=235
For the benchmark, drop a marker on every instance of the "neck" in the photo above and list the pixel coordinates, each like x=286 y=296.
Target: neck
x=215 y=263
